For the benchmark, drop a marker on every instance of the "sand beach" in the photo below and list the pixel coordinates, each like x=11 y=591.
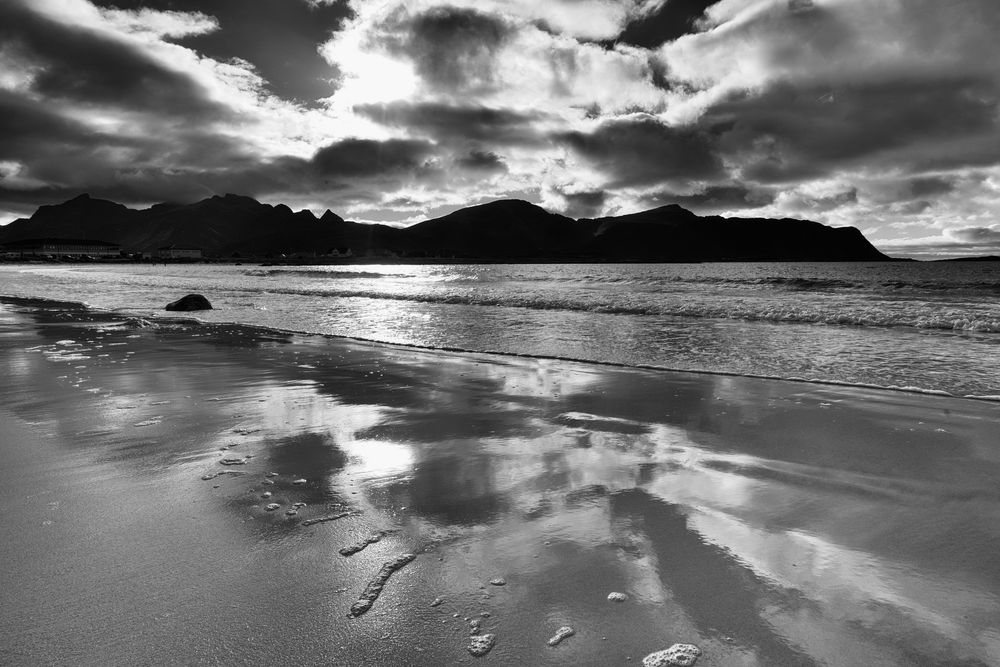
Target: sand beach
x=767 y=522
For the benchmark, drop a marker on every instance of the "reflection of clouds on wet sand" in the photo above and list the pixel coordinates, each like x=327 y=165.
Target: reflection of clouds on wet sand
x=768 y=522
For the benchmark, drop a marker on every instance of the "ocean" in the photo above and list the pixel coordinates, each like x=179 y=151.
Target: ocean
x=930 y=327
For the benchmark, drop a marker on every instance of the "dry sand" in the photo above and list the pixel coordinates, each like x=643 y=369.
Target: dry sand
x=766 y=522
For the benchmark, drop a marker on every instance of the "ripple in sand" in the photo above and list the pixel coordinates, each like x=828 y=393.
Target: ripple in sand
x=617 y=597
x=272 y=506
x=150 y=422
x=480 y=645
x=360 y=544
x=678 y=655
x=499 y=581
x=437 y=602
x=329 y=517
x=375 y=586
x=298 y=481
x=561 y=634
x=266 y=494
x=233 y=461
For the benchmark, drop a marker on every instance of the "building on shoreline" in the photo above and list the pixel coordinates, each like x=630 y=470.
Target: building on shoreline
x=55 y=247
x=178 y=252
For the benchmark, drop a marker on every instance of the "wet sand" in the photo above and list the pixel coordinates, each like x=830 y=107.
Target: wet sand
x=765 y=522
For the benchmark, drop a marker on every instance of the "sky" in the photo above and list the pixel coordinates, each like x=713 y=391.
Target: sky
x=883 y=115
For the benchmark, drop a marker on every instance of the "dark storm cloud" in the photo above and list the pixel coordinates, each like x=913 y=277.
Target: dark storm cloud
x=930 y=185
x=27 y=126
x=279 y=37
x=481 y=161
x=673 y=19
x=454 y=48
x=641 y=150
x=714 y=198
x=452 y=122
x=77 y=65
x=587 y=204
x=787 y=133
x=367 y=157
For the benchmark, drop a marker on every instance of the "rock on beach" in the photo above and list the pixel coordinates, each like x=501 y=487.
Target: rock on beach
x=480 y=645
x=678 y=655
x=190 y=302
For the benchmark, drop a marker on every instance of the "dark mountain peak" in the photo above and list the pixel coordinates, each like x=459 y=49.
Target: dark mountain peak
x=501 y=211
x=230 y=198
x=506 y=205
x=669 y=214
x=284 y=209
x=330 y=217
x=673 y=210
x=80 y=205
x=304 y=216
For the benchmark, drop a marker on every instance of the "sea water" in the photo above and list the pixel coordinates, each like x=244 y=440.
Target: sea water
x=922 y=326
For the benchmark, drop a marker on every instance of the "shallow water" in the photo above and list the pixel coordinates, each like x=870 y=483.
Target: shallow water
x=766 y=522
x=929 y=326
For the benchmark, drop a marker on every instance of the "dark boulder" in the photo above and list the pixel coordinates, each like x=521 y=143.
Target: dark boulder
x=190 y=302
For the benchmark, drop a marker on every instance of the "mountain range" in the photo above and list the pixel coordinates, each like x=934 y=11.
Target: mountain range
x=504 y=230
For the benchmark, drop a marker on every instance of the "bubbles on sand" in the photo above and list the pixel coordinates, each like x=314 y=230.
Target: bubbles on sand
x=360 y=544
x=299 y=481
x=678 y=655
x=374 y=587
x=561 y=634
x=266 y=494
x=480 y=645
x=233 y=461
x=617 y=597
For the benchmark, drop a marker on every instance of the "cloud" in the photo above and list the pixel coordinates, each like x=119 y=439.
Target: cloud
x=366 y=157
x=78 y=64
x=640 y=149
x=454 y=48
x=790 y=133
x=977 y=235
x=583 y=204
x=159 y=24
x=713 y=199
x=481 y=161
x=452 y=122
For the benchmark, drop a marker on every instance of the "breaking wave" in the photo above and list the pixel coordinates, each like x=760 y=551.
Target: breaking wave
x=874 y=316
x=319 y=273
